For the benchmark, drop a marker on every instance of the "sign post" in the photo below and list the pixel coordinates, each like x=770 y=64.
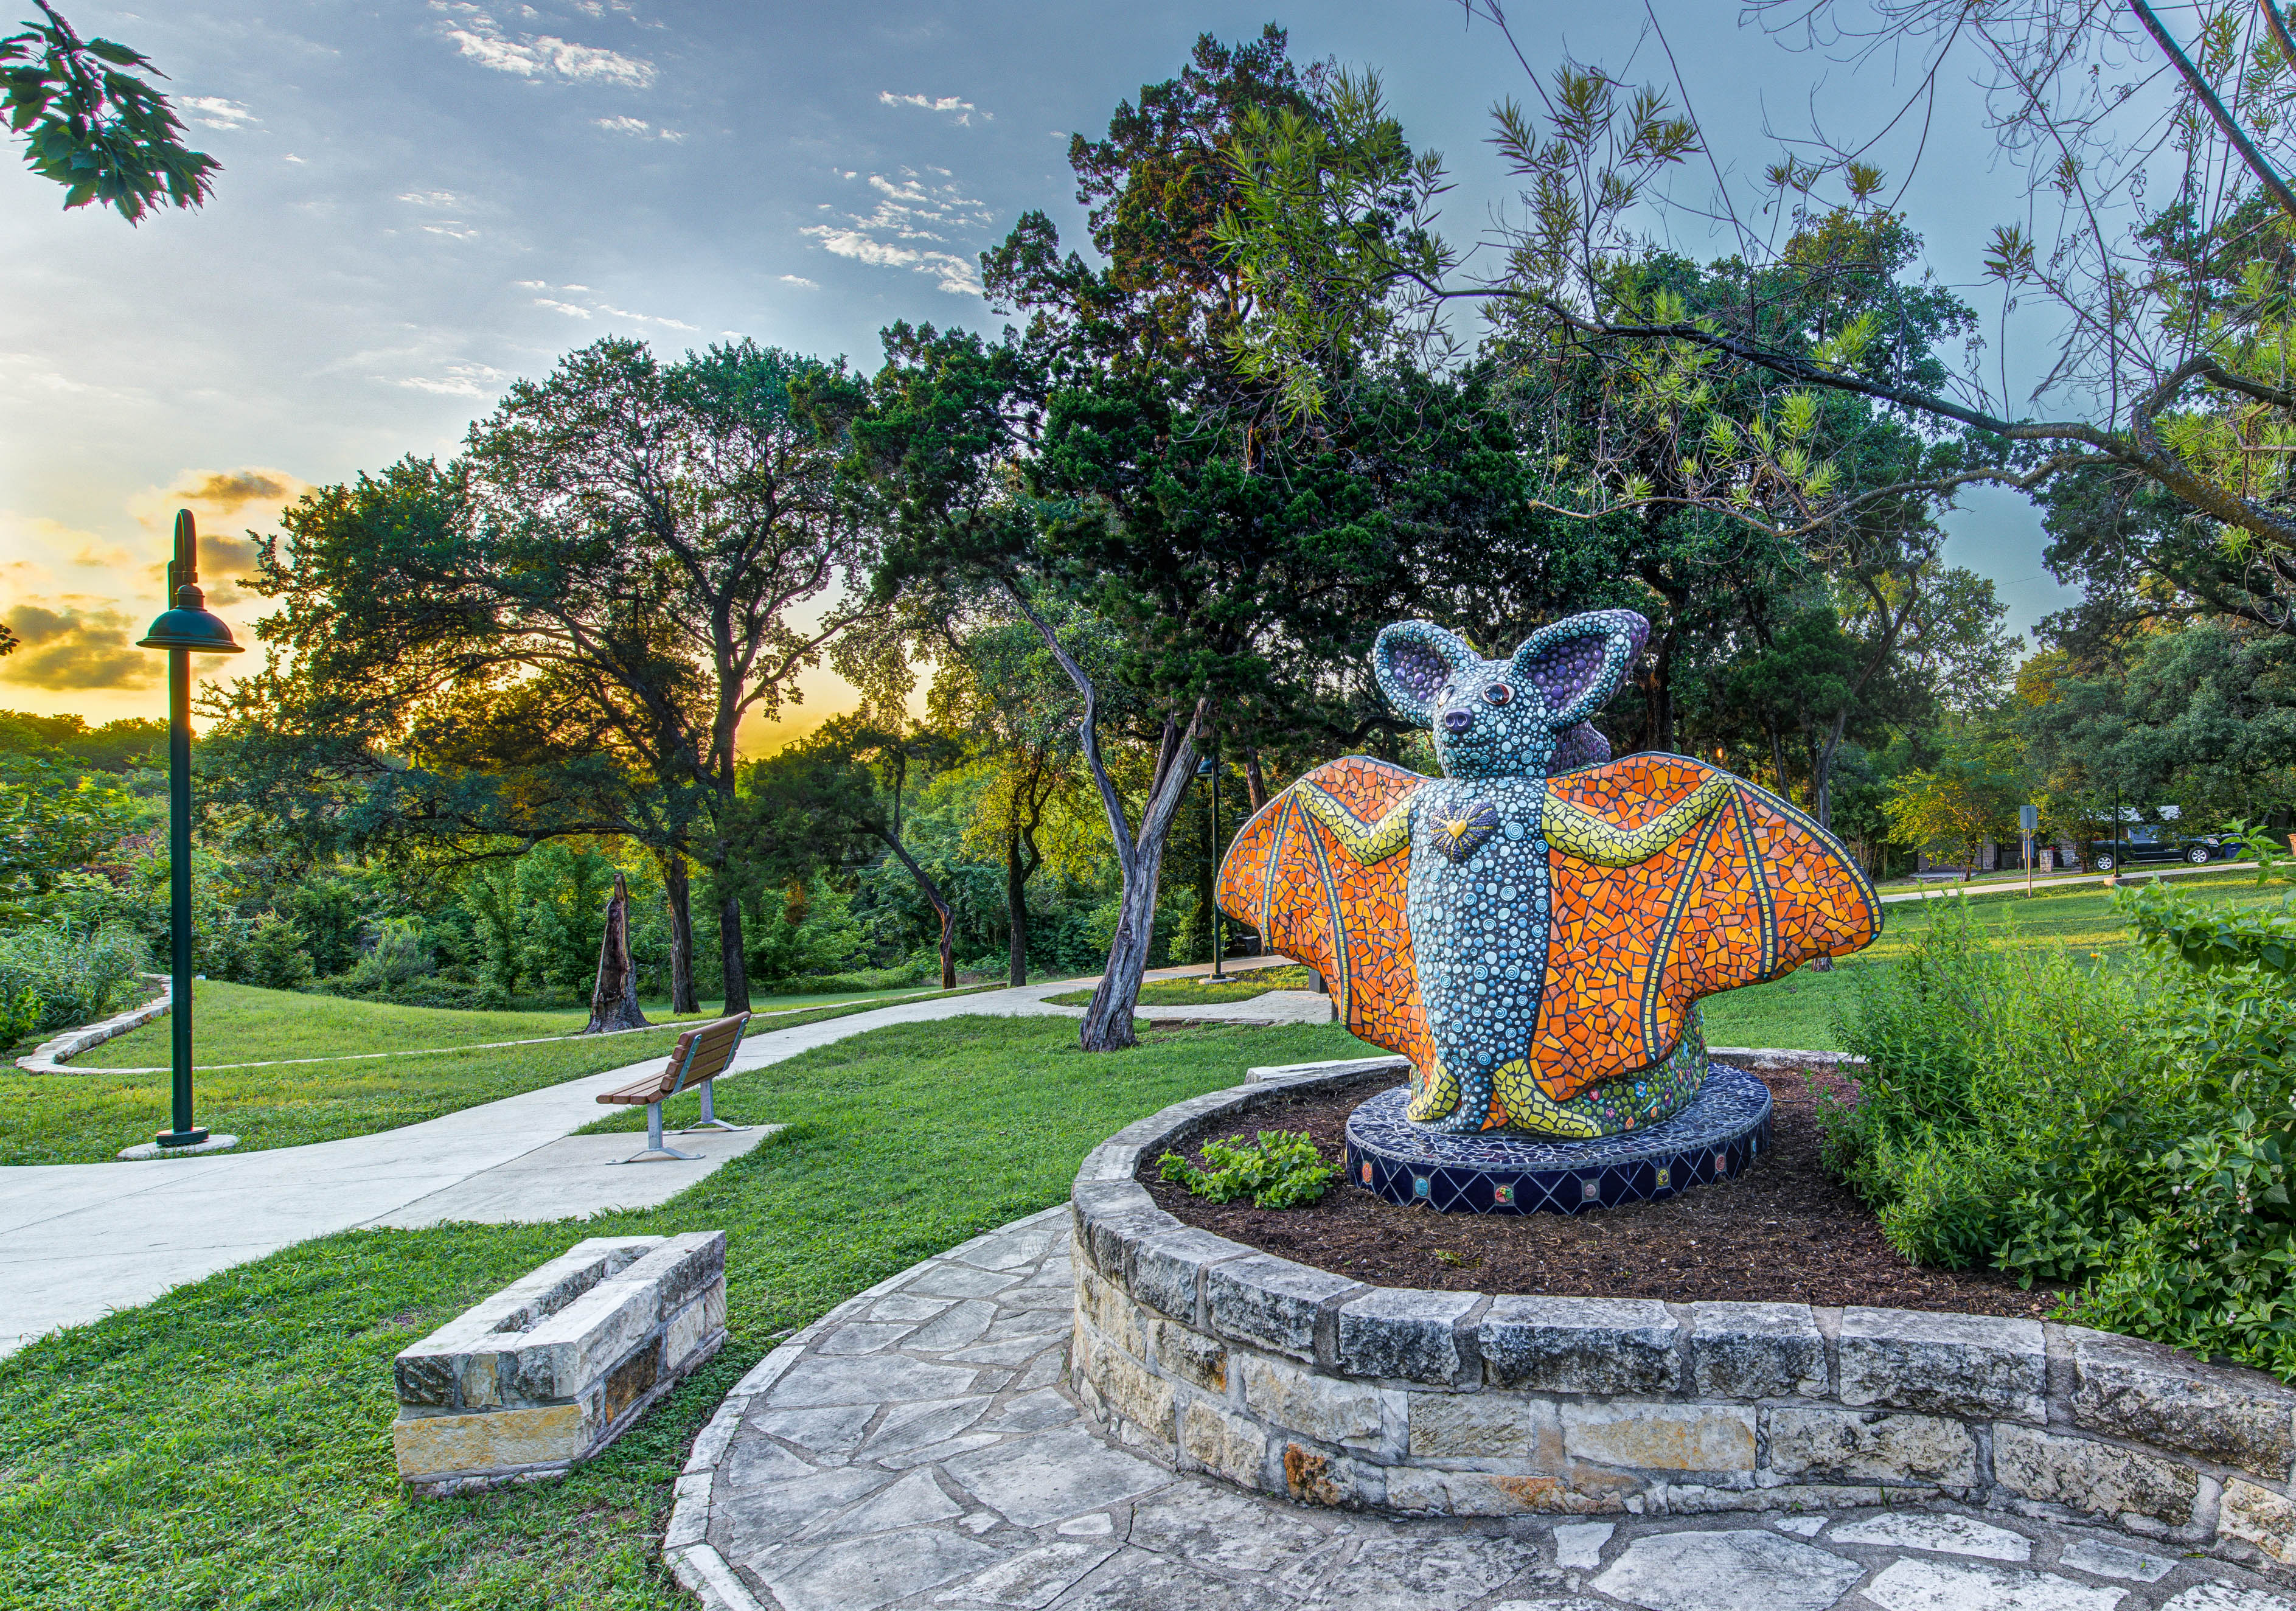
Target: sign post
x=2029 y=818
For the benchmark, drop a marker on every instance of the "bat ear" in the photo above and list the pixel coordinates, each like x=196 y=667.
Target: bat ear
x=1577 y=665
x=1412 y=660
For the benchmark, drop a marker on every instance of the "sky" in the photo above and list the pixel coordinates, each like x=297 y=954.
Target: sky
x=424 y=200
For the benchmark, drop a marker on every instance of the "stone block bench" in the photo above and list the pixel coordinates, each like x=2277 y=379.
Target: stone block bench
x=1292 y=1380
x=554 y=1366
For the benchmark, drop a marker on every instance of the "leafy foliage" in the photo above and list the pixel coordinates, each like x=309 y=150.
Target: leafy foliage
x=56 y=975
x=1281 y=1170
x=93 y=124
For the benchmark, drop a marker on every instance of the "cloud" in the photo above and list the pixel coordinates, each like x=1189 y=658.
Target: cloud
x=644 y=318
x=481 y=39
x=911 y=227
x=799 y=281
x=461 y=380
x=567 y=309
x=72 y=648
x=947 y=103
x=213 y=111
x=432 y=198
x=637 y=126
x=228 y=490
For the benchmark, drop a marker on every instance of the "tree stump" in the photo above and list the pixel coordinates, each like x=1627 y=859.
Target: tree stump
x=614 y=1002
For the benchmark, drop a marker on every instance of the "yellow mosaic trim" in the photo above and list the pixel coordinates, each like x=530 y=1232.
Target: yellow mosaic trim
x=1366 y=842
x=1576 y=831
x=1435 y=1092
x=1529 y=1108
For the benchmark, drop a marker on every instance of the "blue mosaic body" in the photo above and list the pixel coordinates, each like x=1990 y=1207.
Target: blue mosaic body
x=1478 y=902
x=1479 y=928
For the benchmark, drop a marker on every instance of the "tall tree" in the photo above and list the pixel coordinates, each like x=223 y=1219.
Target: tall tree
x=2159 y=384
x=611 y=578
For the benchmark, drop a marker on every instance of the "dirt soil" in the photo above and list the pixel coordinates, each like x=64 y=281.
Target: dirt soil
x=1784 y=1231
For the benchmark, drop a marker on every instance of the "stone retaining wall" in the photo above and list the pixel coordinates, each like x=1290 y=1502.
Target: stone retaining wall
x=51 y=1056
x=1289 y=1379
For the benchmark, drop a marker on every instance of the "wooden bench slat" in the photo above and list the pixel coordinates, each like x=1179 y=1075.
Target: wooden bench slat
x=700 y=1054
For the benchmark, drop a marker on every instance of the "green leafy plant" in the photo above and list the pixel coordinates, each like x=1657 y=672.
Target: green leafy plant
x=92 y=122
x=1281 y=1170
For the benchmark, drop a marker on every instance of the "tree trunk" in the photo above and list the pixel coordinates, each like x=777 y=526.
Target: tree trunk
x=1255 y=780
x=1108 y=1020
x=1016 y=913
x=674 y=879
x=931 y=892
x=614 y=998
x=737 y=967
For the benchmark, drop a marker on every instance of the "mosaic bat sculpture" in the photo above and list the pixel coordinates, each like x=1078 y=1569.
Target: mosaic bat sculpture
x=1534 y=928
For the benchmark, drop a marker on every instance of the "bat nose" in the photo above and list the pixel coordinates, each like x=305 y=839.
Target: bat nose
x=1458 y=722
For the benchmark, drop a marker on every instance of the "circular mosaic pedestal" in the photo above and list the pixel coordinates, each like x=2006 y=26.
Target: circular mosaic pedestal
x=1726 y=1126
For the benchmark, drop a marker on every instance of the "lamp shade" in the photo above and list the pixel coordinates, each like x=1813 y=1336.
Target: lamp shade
x=193 y=626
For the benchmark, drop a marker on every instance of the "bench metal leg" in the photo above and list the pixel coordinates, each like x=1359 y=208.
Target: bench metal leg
x=709 y=1118
x=656 y=1150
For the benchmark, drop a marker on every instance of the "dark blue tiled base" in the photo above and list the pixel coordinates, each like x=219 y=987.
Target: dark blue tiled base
x=1726 y=1126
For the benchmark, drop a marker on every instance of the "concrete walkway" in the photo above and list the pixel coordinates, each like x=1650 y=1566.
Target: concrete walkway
x=78 y=1240
x=916 y=1449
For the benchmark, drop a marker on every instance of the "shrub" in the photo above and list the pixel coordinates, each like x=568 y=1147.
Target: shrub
x=923 y=968
x=2009 y=1096
x=55 y=975
x=1281 y=1170
x=277 y=958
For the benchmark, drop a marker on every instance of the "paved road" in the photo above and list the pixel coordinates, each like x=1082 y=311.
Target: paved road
x=917 y=1450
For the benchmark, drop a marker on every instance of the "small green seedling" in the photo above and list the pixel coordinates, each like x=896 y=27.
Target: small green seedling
x=1282 y=1170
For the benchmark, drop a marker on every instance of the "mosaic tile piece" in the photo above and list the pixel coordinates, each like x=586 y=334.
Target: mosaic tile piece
x=1534 y=928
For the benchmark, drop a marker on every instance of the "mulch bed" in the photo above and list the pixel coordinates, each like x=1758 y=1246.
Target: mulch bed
x=1784 y=1231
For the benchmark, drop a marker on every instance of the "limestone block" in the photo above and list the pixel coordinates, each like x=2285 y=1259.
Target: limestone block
x=1869 y=1446
x=1580 y=1345
x=1227 y=1445
x=2160 y=1396
x=1313 y=1477
x=693 y=1327
x=1524 y=1432
x=431 y=1446
x=1271 y=1303
x=1402 y=1334
x=552 y=1367
x=1110 y=1215
x=1128 y=1389
x=1167 y=1264
x=2082 y=1473
x=1323 y=1408
x=1183 y=1352
x=463 y=1363
x=1953 y=1364
x=1708 y=1438
x=1756 y=1350
x=1106 y=1305
x=1427 y=1490
x=2259 y=1516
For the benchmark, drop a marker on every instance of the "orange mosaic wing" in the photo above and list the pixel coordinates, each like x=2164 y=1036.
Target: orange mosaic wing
x=1286 y=876
x=1749 y=894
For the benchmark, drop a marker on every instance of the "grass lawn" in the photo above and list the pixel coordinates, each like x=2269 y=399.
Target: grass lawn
x=228 y=1446
x=1798 y=1010
x=86 y=1117
x=1204 y=991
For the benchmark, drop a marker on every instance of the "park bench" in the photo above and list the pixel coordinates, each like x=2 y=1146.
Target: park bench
x=698 y=1057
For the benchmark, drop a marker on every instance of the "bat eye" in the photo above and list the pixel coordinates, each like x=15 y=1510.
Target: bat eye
x=1446 y=693
x=1499 y=693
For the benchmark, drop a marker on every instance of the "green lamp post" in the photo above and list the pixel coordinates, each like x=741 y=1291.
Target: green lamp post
x=186 y=629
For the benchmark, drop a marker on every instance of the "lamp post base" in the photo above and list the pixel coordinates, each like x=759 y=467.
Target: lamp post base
x=161 y=1148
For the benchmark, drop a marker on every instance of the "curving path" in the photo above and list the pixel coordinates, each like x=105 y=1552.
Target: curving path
x=916 y=1450
x=78 y=1240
